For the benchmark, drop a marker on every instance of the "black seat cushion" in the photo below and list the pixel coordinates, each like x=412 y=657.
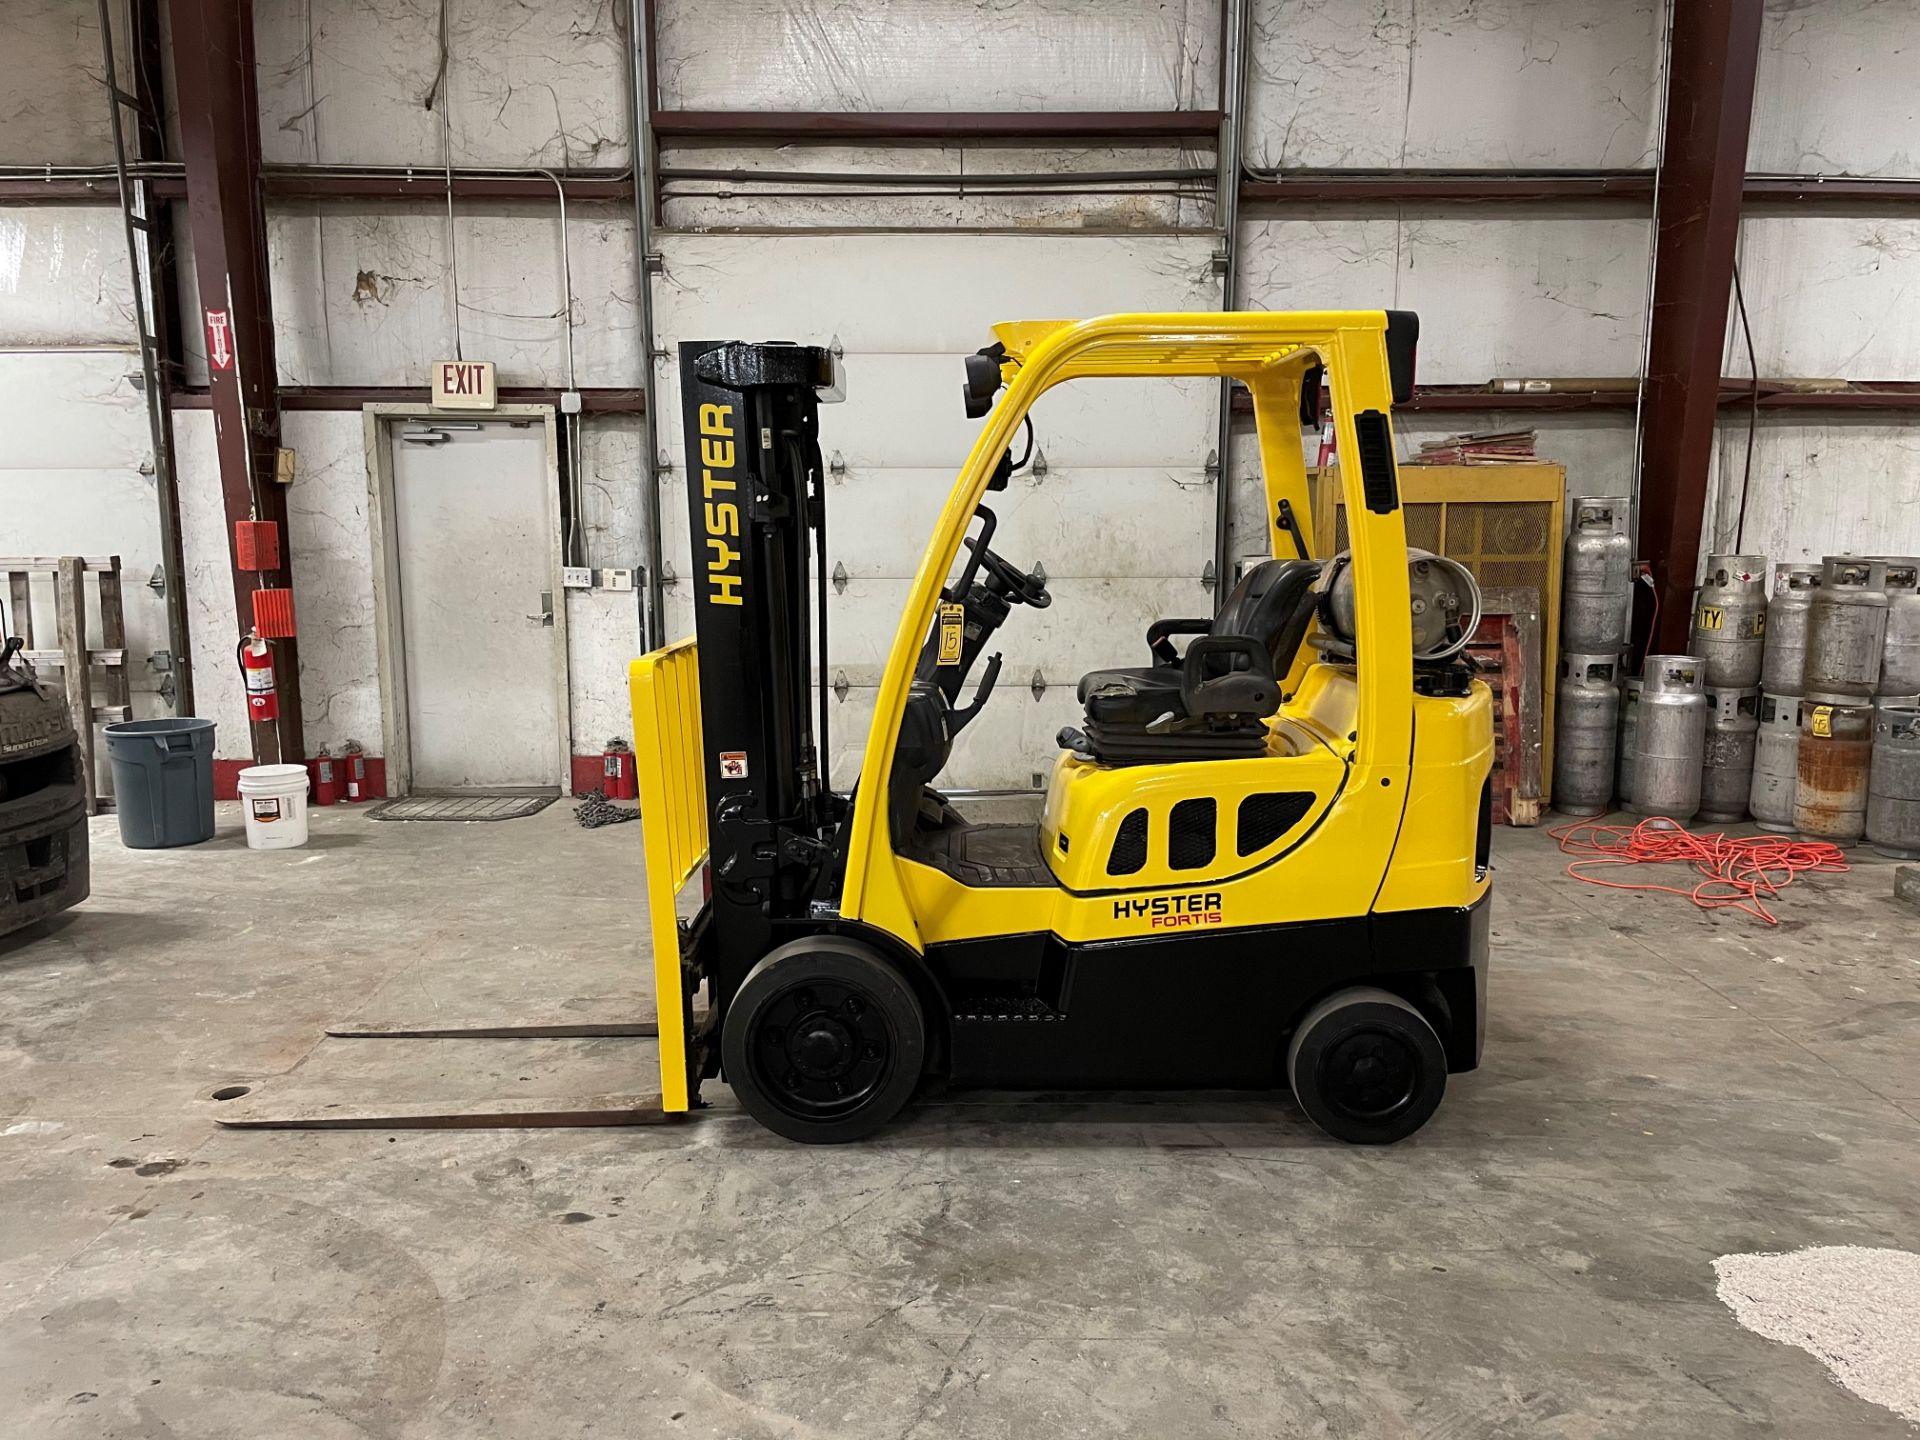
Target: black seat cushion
x=1131 y=697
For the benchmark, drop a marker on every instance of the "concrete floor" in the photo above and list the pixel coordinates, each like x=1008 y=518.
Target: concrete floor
x=1661 y=1087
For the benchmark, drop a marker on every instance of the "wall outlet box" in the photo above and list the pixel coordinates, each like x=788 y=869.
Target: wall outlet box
x=569 y=402
x=576 y=577
x=616 y=579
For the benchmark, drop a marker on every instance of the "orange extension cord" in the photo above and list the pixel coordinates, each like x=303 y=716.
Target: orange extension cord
x=1740 y=872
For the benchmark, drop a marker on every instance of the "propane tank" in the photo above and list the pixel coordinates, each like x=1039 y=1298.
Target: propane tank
x=1830 y=791
x=617 y=779
x=1730 y=620
x=1444 y=596
x=1894 y=702
x=1629 y=733
x=1587 y=717
x=353 y=772
x=1846 y=629
x=1893 y=783
x=256 y=670
x=1726 y=772
x=1598 y=578
x=1900 y=655
x=326 y=778
x=1783 y=667
x=1776 y=763
x=1670 y=737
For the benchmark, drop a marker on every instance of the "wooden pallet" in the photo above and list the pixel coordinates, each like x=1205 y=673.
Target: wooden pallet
x=1506 y=647
x=70 y=655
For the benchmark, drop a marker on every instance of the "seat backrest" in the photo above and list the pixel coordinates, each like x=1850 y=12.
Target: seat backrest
x=1273 y=604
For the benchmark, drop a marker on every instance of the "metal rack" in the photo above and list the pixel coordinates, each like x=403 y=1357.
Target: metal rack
x=70 y=654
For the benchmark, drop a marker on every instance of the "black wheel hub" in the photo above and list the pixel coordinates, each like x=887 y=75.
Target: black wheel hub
x=821 y=1048
x=1370 y=1074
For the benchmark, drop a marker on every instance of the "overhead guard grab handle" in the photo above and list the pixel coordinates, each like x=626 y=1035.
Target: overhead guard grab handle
x=964 y=716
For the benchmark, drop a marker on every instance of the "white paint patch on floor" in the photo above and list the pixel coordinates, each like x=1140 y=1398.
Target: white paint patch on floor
x=1853 y=1308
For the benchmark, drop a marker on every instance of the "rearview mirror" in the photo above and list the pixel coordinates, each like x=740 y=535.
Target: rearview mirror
x=983 y=382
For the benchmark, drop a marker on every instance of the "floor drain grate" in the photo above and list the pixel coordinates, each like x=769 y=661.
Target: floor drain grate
x=462 y=807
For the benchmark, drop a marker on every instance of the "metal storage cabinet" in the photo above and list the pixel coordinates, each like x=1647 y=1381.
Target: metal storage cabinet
x=1505 y=523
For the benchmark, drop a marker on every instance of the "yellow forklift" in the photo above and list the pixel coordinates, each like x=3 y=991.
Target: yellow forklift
x=1263 y=859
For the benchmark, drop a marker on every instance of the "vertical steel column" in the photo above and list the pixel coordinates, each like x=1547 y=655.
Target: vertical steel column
x=642 y=99
x=1233 y=82
x=220 y=140
x=1715 y=52
x=150 y=265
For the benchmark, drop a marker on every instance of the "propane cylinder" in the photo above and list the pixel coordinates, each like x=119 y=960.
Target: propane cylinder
x=1776 y=763
x=1598 y=578
x=1893 y=783
x=1900 y=655
x=1730 y=620
x=1846 y=629
x=1587 y=715
x=1726 y=772
x=1894 y=702
x=1630 y=688
x=1783 y=667
x=1830 y=790
x=1670 y=737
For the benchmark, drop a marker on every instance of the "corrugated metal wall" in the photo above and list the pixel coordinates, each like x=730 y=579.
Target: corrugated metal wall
x=908 y=283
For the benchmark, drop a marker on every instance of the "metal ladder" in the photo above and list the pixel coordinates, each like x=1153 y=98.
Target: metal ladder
x=136 y=206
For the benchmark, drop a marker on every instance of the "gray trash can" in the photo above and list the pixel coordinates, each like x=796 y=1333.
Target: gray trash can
x=162 y=781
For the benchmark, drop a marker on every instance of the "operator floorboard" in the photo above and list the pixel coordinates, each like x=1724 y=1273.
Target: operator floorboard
x=985 y=855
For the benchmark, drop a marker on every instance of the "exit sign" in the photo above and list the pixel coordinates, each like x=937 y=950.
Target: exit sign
x=463 y=385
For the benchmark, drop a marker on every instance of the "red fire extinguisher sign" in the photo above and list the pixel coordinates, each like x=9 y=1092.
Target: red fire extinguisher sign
x=219 y=339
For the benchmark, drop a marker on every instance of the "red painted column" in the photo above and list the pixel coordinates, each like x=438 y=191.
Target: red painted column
x=220 y=142
x=1716 y=50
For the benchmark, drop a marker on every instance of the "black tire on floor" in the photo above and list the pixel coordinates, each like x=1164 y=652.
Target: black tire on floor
x=824 y=1041
x=1366 y=1066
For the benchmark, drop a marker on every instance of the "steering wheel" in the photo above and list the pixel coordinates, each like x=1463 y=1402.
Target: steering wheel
x=1021 y=587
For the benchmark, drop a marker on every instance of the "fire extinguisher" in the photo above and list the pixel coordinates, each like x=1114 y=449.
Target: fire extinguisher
x=326 y=778
x=617 y=779
x=256 y=669
x=353 y=771
x=1327 y=445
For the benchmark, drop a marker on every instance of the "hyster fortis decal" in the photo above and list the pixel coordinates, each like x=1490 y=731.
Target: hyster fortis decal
x=1172 y=912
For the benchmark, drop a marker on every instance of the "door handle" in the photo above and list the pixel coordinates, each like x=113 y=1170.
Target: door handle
x=545 y=615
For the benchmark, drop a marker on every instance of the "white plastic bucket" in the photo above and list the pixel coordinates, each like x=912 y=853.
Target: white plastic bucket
x=274 y=800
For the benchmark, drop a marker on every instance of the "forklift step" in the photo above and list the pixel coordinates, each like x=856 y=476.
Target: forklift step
x=1012 y=1007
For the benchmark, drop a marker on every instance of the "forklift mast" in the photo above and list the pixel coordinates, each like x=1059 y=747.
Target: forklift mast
x=757 y=504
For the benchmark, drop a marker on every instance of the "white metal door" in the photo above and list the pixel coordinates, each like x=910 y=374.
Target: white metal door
x=475 y=546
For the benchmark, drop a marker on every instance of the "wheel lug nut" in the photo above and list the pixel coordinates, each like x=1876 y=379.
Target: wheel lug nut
x=804 y=999
x=873 y=1052
x=853 y=1006
x=776 y=1036
x=791 y=1081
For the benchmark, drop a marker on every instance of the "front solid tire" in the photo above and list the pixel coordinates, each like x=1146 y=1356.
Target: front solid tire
x=1366 y=1066
x=824 y=1041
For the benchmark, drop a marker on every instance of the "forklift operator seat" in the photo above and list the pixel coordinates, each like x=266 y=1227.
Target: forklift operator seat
x=1209 y=703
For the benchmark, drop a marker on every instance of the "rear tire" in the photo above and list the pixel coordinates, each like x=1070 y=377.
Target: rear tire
x=1366 y=1066
x=824 y=1041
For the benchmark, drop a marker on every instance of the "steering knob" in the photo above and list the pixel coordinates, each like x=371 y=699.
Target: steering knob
x=1025 y=588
